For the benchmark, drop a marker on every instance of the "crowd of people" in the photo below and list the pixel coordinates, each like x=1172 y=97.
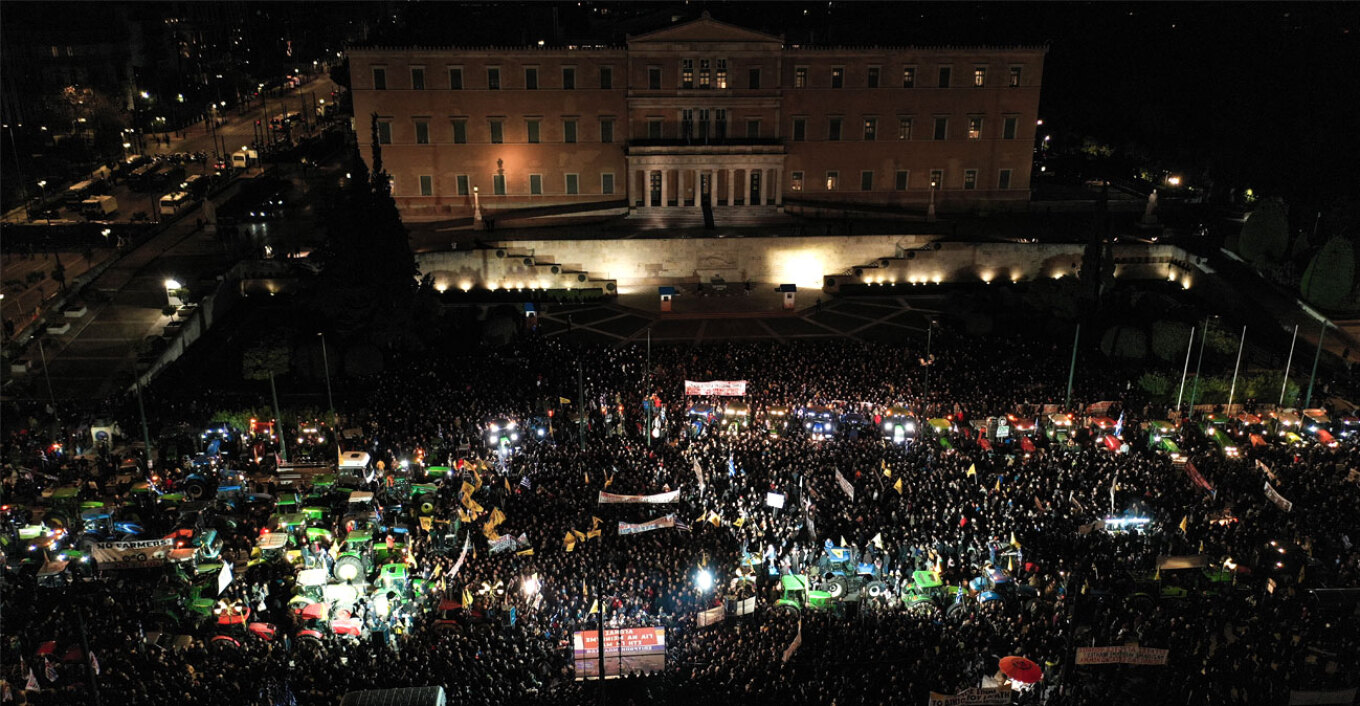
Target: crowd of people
x=960 y=511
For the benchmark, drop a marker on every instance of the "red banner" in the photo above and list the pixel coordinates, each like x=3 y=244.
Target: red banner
x=1198 y=479
x=724 y=388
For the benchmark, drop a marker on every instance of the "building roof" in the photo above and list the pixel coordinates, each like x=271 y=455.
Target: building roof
x=705 y=29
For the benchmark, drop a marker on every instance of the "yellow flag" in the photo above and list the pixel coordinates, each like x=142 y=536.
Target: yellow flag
x=1201 y=546
x=580 y=536
x=569 y=541
x=884 y=465
x=526 y=552
x=898 y=486
x=739 y=522
x=972 y=469
x=427 y=523
x=587 y=475
x=998 y=484
x=467 y=597
x=1014 y=543
x=1185 y=524
x=594 y=607
x=497 y=516
x=463 y=516
x=608 y=481
x=701 y=517
x=593 y=534
x=595 y=522
x=1158 y=575
x=507 y=485
x=478 y=477
x=716 y=519
x=467 y=489
x=1010 y=564
x=563 y=400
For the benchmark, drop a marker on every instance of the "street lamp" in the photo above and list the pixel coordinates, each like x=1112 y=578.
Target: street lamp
x=42 y=184
x=930 y=211
x=476 y=206
x=326 y=362
x=171 y=286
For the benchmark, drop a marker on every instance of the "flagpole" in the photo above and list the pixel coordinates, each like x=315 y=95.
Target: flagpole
x=85 y=645
x=1289 y=361
x=1199 y=365
x=1233 y=390
x=1072 y=369
x=1308 y=401
x=647 y=400
x=1186 y=370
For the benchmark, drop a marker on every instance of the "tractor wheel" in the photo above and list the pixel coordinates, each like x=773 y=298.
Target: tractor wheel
x=960 y=610
x=349 y=560
x=837 y=587
x=1140 y=603
x=786 y=609
x=876 y=589
x=197 y=488
x=426 y=508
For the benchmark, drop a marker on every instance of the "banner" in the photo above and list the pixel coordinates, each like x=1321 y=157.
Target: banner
x=657 y=499
x=1266 y=470
x=626 y=650
x=699 y=473
x=989 y=696
x=1198 y=479
x=775 y=500
x=1318 y=698
x=505 y=543
x=142 y=554
x=1185 y=561
x=712 y=616
x=467 y=542
x=1278 y=499
x=793 y=646
x=845 y=484
x=746 y=606
x=224 y=577
x=638 y=528
x=724 y=388
x=1122 y=654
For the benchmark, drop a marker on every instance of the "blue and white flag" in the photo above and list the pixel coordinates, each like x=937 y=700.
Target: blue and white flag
x=731 y=465
x=526 y=483
x=1119 y=425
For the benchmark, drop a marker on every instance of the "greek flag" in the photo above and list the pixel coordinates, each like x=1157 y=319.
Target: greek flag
x=731 y=465
x=1119 y=425
x=525 y=483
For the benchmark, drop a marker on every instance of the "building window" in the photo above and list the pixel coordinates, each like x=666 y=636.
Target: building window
x=799 y=129
x=606 y=131
x=460 y=132
x=1003 y=181
x=909 y=77
x=866 y=181
x=385 y=132
x=379 y=78
x=422 y=133
x=654 y=129
x=455 y=78
x=937 y=178
x=573 y=184
x=753 y=129
x=872 y=77
x=979 y=77
x=833 y=131
x=493 y=78
x=904 y=128
x=418 y=78
x=607 y=183
x=870 y=129
x=1008 y=128
x=498 y=184
x=1015 y=77
x=607 y=77
x=941 y=128
x=719 y=123
x=796 y=181
x=975 y=128
x=721 y=78
x=426 y=185
x=970 y=179
x=569 y=131
x=531 y=78
x=900 y=180
x=462 y=182
x=569 y=78
x=838 y=77
x=753 y=78
x=831 y=179
x=945 y=71
x=704 y=74
x=800 y=77
x=497 y=132
x=536 y=184
x=532 y=131
x=687 y=73
x=654 y=78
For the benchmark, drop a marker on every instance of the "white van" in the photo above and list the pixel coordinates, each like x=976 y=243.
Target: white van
x=99 y=207
x=241 y=159
x=172 y=204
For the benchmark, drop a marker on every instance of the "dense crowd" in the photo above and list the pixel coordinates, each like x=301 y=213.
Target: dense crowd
x=916 y=506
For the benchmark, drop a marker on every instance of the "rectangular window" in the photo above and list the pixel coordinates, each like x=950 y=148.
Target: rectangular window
x=1008 y=128
x=536 y=184
x=719 y=123
x=379 y=78
x=569 y=78
x=607 y=183
x=833 y=131
x=653 y=129
x=970 y=179
x=462 y=182
x=417 y=78
x=941 y=128
x=687 y=73
x=721 y=78
x=1015 y=77
x=799 y=129
x=753 y=78
x=945 y=71
x=426 y=185
x=1003 y=181
x=831 y=179
x=455 y=78
x=385 y=132
x=606 y=77
x=704 y=73
x=904 y=128
x=497 y=132
x=937 y=178
x=866 y=181
x=753 y=129
x=872 y=77
x=569 y=131
x=979 y=77
x=900 y=180
x=498 y=184
x=800 y=77
x=909 y=77
x=870 y=129
x=422 y=133
x=573 y=184
x=460 y=132
x=654 y=78
x=796 y=181
x=493 y=79
x=606 y=131
x=531 y=128
x=837 y=77
x=975 y=128
x=531 y=78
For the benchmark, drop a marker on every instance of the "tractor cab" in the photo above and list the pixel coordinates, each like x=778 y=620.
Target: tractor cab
x=1249 y=429
x=1058 y=428
x=1163 y=436
x=1318 y=425
x=1287 y=426
x=777 y=420
x=1219 y=439
x=502 y=434
x=699 y=417
x=942 y=428
x=736 y=417
x=796 y=595
x=356 y=558
x=819 y=422
x=855 y=425
x=1020 y=427
x=899 y=425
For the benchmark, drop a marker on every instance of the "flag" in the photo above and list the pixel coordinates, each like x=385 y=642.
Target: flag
x=793 y=646
x=594 y=606
x=526 y=552
x=569 y=541
x=32 y=684
x=716 y=519
x=998 y=484
x=731 y=465
x=681 y=525
x=1119 y=425
x=739 y=522
x=525 y=483
x=595 y=522
x=1157 y=576
x=467 y=597
x=587 y=475
x=1010 y=563
x=593 y=534
x=1185 y=524
x=843 y=542
x=477 y=477
x=467 y=489
x=563 y=400
x=1201 y=546
x=94 y=663
x=877 y=541
x=883 y=465
x=1014 y=543
x=898 y=486
x=580 y=536
x=51 y=671
x=972 y=469
x=507 y=484
x=609 y=480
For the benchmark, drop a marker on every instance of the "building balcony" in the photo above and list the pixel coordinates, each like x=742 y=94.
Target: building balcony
x=712 y=145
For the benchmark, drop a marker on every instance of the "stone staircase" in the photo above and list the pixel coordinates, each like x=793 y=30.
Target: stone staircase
x=723 y=216
x=525 y=269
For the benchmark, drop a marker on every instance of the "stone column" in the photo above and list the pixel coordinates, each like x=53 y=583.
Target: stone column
x=645 y=175
x=768 y=178
x=712 y=187
x=698 y=187
x=778 y=187
x=665 y=173
x=731 y=187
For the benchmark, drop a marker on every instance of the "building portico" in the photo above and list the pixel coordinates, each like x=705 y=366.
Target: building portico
x=683 y=180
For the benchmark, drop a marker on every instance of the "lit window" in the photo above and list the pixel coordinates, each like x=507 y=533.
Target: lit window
x=796 y=181
x=687 y=73
x=975 y=128
x=904 y=128
x=870 y=129
x=979 y=77
x=909 y=77
x=722 y=73
x=800 y=77
x=704 y=73
x=837 y=77
x=831 y=179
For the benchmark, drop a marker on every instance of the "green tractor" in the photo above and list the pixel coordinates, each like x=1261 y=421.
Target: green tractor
x=797 y=596
x=356 y=559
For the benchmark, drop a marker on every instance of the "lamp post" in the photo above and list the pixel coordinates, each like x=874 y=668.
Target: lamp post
x=1288 y=361
x=1072 y=369
x=1186 y=370
x=42 y=184
x=476 y=206
x=1308 y=399
x=930 y=211
x=171 y=286
x=1232 y=391
x=326 y=362
x=1199 y=363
